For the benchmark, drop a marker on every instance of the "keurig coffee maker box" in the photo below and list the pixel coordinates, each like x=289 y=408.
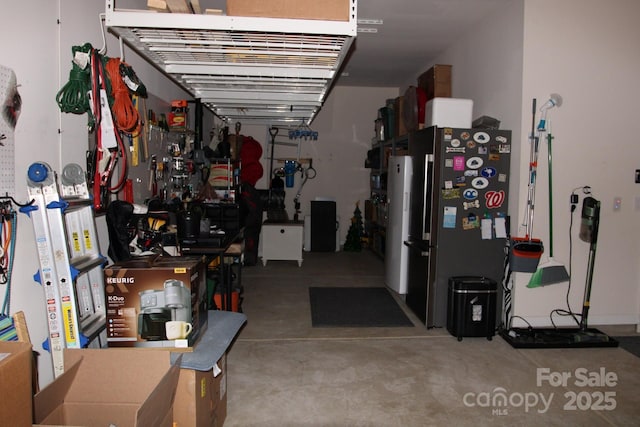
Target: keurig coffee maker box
x=156 y=302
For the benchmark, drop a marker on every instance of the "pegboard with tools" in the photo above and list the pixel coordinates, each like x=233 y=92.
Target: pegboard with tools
x=10 y=110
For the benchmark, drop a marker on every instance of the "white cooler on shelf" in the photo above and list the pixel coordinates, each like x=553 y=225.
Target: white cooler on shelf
x=449 y=112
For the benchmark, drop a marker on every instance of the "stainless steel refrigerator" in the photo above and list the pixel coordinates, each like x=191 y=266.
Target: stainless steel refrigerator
x=458 y=223
x=399 y=173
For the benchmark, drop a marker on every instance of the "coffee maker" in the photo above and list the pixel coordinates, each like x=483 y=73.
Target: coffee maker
x=158 y=306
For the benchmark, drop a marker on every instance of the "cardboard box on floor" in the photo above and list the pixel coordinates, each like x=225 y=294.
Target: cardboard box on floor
x=121 y=387
x=130 y=387
x=201 y=397
x=16 y=360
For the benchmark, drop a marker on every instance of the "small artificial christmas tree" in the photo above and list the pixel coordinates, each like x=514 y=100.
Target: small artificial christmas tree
x=353 y=242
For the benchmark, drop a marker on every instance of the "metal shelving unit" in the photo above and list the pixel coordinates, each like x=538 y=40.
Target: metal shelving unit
x=257 y=70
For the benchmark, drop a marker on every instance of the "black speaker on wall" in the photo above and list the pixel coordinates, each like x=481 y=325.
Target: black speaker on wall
x=323 y=226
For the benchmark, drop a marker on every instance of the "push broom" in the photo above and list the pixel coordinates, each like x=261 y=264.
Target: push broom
x=550 y=271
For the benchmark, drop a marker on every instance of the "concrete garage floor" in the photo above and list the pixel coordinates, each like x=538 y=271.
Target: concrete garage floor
x=282 y=372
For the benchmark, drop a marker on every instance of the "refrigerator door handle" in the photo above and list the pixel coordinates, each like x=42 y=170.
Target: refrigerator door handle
x=422 y=247
x=426 y=200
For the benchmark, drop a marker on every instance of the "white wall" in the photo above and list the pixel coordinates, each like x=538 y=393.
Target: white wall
x=345 y=126
x=38 y=49
x=35 y=62
x=586 y=50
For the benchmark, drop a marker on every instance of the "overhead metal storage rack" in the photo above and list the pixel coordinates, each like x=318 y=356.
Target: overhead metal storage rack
x=256 y=70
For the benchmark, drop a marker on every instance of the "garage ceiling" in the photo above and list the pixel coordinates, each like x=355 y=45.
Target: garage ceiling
x=412 y=35
x=252 y=69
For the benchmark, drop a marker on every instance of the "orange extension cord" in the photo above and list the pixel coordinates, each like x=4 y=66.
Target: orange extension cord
x=125 y=115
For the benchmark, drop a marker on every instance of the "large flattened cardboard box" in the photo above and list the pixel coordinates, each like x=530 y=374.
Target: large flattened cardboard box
x=329 y=10
x=15 y=383
x=156 y=302
x=201 y=397
x=102 y=387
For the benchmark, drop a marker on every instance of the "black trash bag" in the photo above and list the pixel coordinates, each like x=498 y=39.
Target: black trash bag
x=119 y=215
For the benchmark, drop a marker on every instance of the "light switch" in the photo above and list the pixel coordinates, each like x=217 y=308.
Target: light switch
x=617 y=203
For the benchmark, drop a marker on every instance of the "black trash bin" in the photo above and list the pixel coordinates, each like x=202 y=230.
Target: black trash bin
x=472 y=307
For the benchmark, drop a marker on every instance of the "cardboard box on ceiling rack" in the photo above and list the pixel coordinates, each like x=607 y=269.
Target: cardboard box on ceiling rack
x=328 y=10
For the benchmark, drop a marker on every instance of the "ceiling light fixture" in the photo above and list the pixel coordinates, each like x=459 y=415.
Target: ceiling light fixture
x=367 y=30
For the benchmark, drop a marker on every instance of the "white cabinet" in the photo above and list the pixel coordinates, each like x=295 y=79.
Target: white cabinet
x=282 y=241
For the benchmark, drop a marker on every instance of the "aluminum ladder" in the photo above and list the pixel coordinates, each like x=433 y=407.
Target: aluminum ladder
x=70 y=263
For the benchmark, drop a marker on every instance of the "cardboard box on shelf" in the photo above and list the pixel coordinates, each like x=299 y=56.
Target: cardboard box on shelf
x=16 y=360
x=201 y=397
x=436 y=81
x=330 y=10
x=156 y=302
x=132 y=387
x=400 y=128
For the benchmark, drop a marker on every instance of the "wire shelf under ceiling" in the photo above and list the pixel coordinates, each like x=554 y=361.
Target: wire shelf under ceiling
x=257 y=70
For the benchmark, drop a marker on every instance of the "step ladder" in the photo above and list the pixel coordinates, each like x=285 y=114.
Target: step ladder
x=70 y=263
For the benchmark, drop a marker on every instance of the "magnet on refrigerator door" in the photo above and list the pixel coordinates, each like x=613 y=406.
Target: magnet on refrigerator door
x=449 y=217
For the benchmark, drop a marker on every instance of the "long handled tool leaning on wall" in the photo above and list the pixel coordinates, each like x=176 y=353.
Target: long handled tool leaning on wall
x=550 y=271
x=525 y=251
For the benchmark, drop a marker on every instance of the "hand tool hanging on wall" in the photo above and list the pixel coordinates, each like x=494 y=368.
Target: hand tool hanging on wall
x=238 y=145
x=273 y=131
x=308 y=173
x=303 y=132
